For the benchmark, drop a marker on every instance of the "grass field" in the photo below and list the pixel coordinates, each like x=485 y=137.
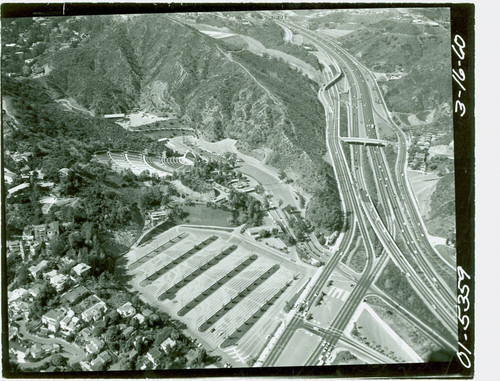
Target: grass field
x=412 y=335
x=378 y=335
x=202 y=215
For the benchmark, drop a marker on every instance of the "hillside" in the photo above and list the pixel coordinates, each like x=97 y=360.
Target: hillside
x=155 y=64
x=421 y=51
x=441 y=221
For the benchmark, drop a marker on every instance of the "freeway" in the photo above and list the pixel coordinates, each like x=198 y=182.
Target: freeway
x=368 y=276
x=428 y=284
x=416 y=241
x=399 y=213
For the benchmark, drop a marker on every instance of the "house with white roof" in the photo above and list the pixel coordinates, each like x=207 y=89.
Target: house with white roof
x=81 y=268
x=95 y=311
x=167 y=344
x=126 y=310
x=34 y=270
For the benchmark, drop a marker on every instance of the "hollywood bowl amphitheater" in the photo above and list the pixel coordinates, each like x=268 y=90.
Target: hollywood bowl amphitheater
x=138 y=162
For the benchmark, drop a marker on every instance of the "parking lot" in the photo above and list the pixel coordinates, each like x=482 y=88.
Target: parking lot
x=228 y=290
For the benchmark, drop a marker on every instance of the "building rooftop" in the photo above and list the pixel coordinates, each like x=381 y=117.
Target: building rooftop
x=38 y=267
x=74 y=295
x=17 y=188
x=55 y=314
x=81 y=268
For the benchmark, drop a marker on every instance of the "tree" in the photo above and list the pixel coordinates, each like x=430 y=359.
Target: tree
x=202 y=355
x=47 y=293
x=22 y=276
x=59 y=360
x=114 y=317
x=165 y=200
x=59 y=245
x=264 y=233
x=282 y=174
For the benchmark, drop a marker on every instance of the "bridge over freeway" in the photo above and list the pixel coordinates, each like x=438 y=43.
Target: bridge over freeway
x=365 y=141
x=334 y=80
x=162 y=129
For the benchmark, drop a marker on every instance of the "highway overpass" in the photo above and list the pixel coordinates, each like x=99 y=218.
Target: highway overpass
x=365 y=141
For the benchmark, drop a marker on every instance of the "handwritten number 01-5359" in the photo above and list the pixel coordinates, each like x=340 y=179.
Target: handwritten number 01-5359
x=463 y=305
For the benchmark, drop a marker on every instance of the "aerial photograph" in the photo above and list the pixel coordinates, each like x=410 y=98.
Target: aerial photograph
x=234 y=189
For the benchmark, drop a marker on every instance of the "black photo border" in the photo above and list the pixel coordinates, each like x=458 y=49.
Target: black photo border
x=462 y=17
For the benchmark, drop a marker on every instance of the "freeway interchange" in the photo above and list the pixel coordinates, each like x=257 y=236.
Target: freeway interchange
x=396 y=222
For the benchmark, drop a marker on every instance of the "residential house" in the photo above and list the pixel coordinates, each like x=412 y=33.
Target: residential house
x=53 y=319
x=85 y=333
x=34 y=270
x=18 y=350
x=420 y=156
x=75 y=295
x=167 y=344
x=154 y=356
x=120 y=365
x=8 y=176
x=94 y=345
x=100 y=361
x=85 y=365
x=16 y=294
x=58 y=281
x=55 y=347
x=128 y=331
x=44 y=332
x=47 y=348
x=98 y=327
x=191 y=356
x=15 y=246
x=144 y=364
x=50 y=274
x=126 y=310
x=17 y=156
x=81 y=269
x=34 y=290
x=37 y=351
x=13 y=332
x=147 y=312
x=72 y=326
x=96 y=310
x=63 y=172
x=132 y=354
x=140 y=318
x=46 y=232
x=67 y=319
x=105 y=356
x=28 y=234
x=18 y=307
x=97 y=364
